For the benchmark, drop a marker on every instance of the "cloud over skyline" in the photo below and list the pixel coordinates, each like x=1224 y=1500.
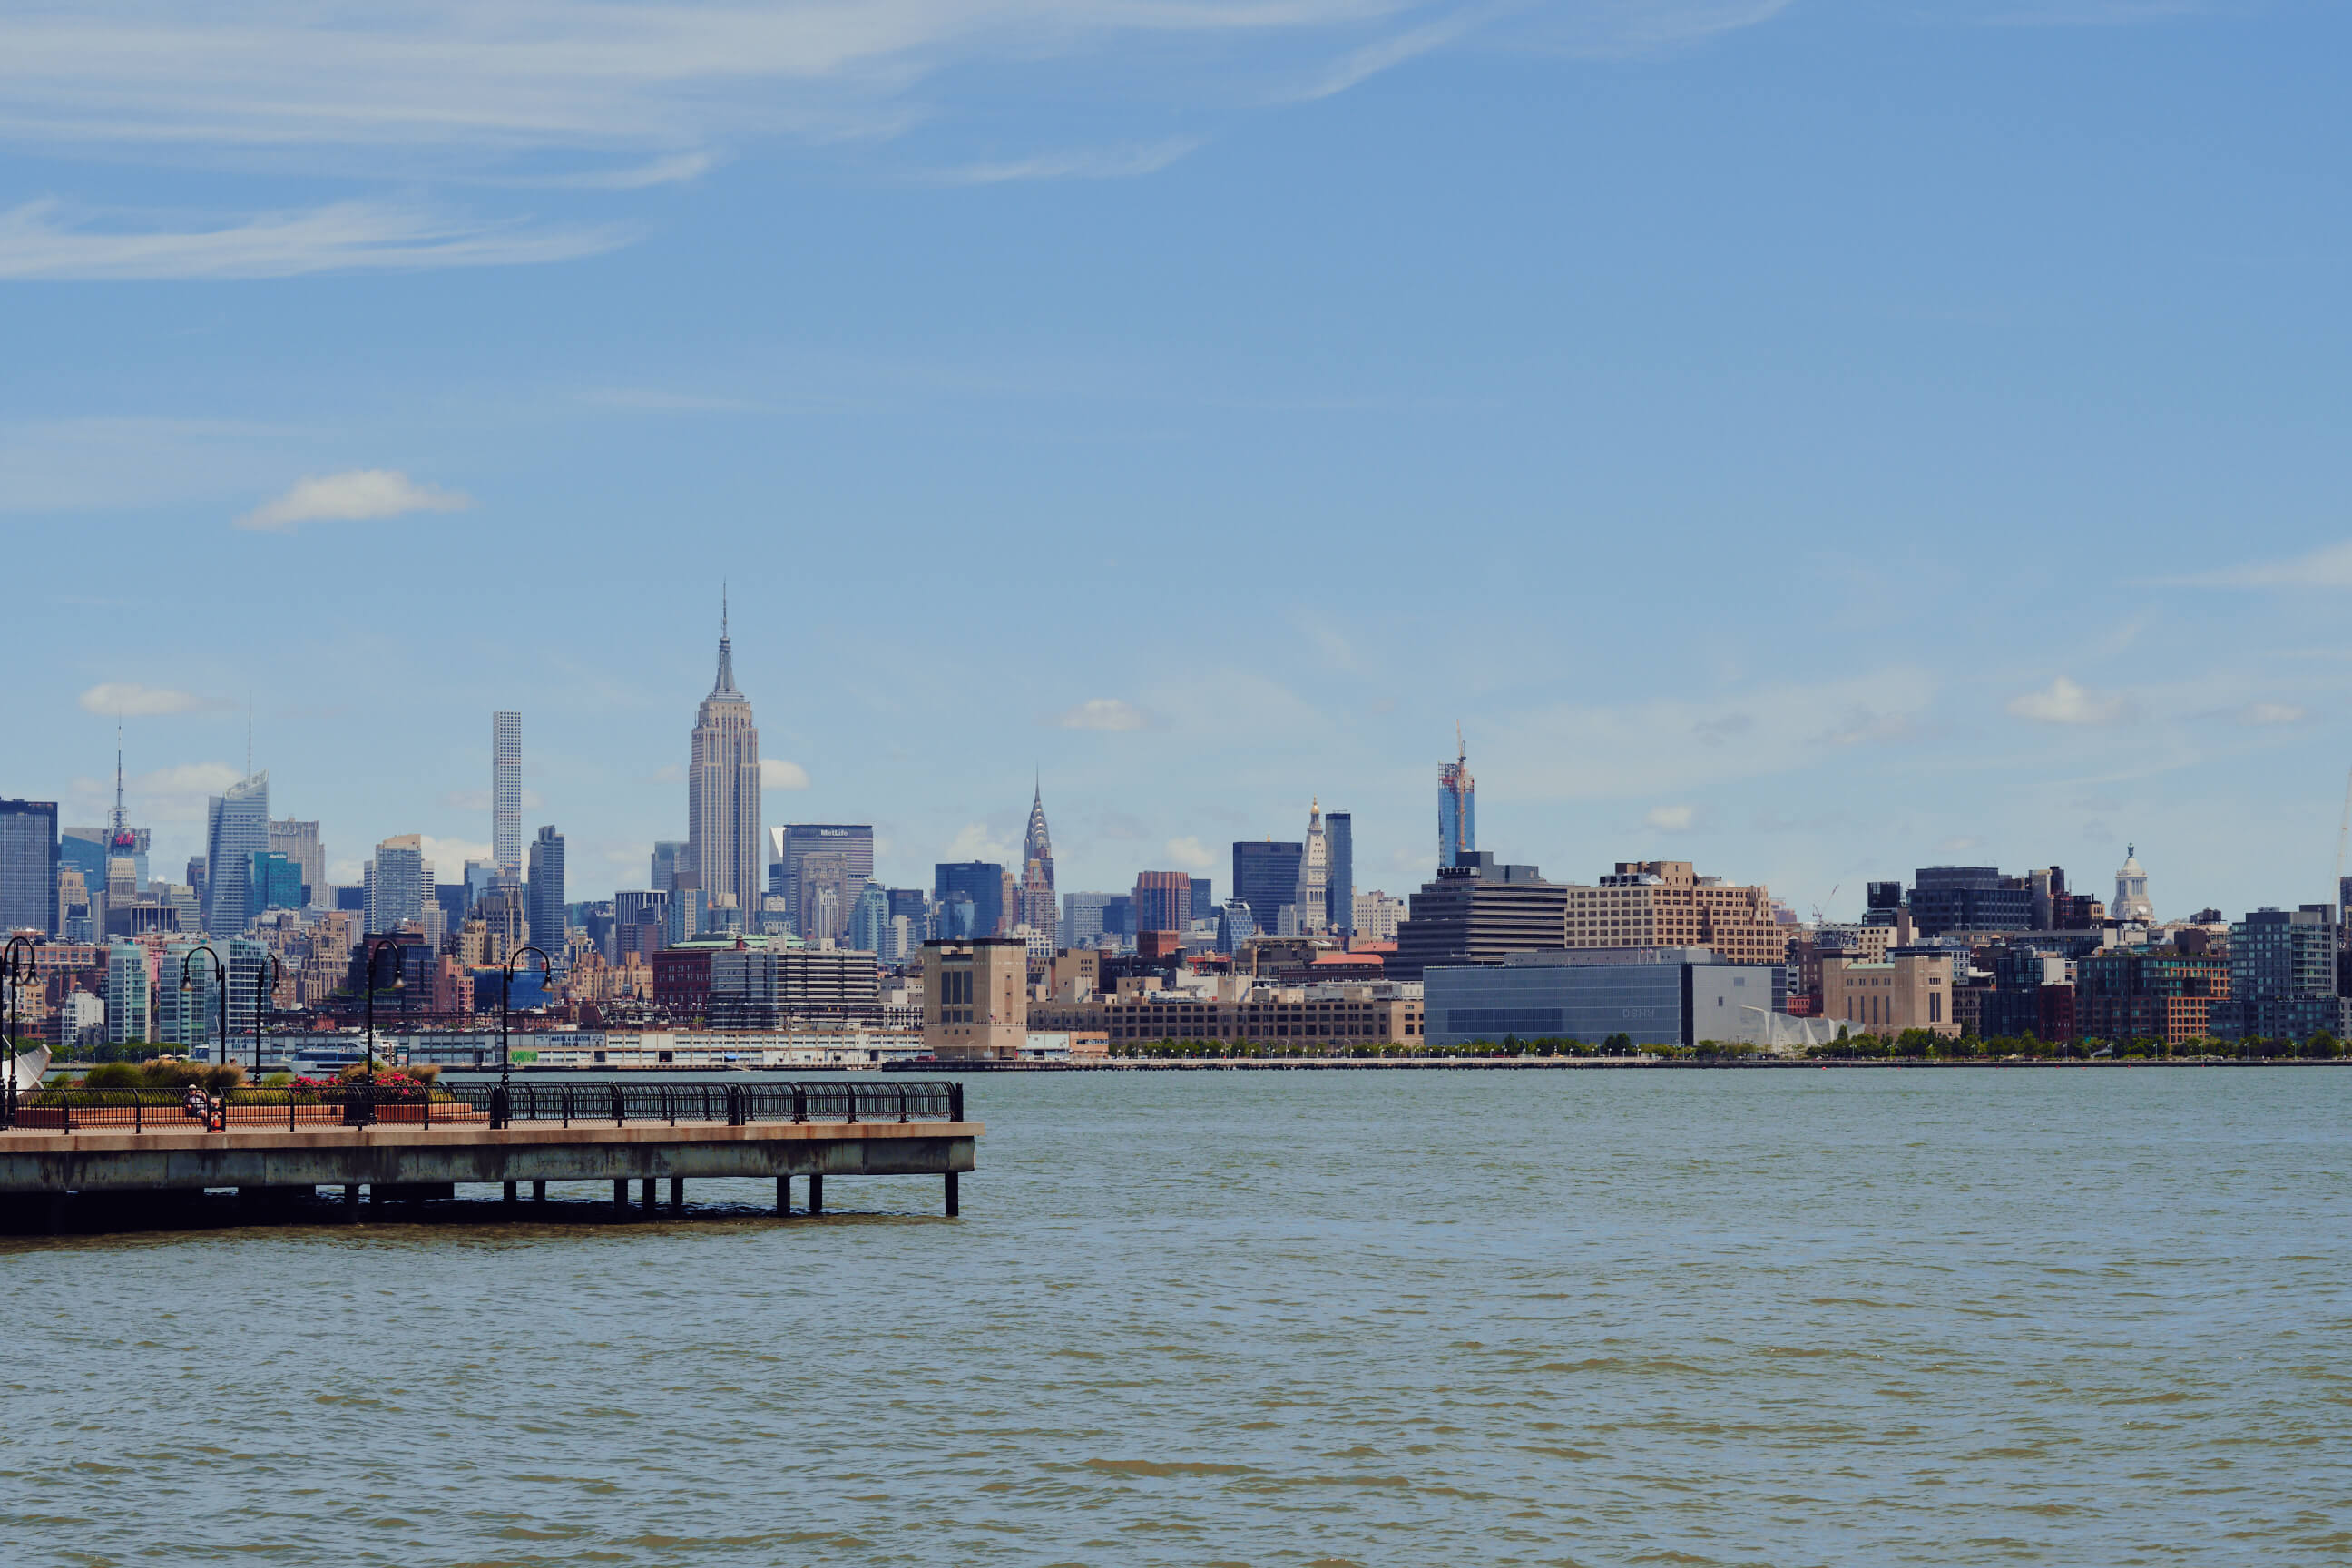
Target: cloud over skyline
x=2064 y=702
x=355 y=495
x=128 y=699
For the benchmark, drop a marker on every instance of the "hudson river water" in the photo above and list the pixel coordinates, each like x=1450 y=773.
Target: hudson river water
x=2067 y=1316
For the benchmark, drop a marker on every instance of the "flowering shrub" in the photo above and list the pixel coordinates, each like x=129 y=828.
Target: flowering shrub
x=392 y=1085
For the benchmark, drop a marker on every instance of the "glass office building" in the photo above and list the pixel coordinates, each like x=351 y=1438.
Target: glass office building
x=1657 y=996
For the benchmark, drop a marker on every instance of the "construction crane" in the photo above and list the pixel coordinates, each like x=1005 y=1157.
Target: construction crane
x=1819 y=919
x=2344 y=828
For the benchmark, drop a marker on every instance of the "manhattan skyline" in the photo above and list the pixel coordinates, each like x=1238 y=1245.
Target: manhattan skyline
x=1804 y=441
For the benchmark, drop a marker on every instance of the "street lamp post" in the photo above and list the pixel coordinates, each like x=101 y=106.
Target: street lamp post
x=14 y=970
x=220 y=975
x=366 y=1111
x=500 y=1099
x=264 y=981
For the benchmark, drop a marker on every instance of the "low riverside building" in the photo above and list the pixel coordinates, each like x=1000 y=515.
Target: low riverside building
x=819 y=1045
x=1315 y=1017
x=2148 y=993
x=1655 y=997
x=1903 y=992
x=976 y=998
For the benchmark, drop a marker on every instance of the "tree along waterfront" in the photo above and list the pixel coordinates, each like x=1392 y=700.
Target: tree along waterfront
x=1912 y=1045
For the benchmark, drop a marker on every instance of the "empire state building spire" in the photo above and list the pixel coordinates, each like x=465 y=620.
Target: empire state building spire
x=726 y=685
x=722 y=792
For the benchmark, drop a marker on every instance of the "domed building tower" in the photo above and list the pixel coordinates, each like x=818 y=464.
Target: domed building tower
x=2131 y=892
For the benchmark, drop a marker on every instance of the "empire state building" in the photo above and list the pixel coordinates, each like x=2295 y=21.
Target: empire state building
x=722 y=791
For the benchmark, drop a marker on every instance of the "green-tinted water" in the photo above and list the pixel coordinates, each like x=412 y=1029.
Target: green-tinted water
x=2058 y=1316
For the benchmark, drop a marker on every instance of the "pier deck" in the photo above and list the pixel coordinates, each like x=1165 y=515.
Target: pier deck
x=43 y=1165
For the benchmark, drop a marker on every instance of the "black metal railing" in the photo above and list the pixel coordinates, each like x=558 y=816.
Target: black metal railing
x=733 y=1103
x=485 y=1103
x=73 y=1109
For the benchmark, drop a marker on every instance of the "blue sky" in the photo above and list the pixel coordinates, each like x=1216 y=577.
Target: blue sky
x=1813 y=440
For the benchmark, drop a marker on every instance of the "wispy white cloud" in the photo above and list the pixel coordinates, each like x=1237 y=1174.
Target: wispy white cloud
x=777 y=774
x=356 y=495
x=83 y=465
x=1668 y=818
x=447 y=856
x=176 y=795
x=1102 y=713
x=977 y=842
x=1667 y=746
x=1361 y=65
x=2264 y=715
x=2087 y=13
x=2064 y=702
x=1190 y=854
x=2329 y=567
x=1080 y=164
x=41 y=240
x=130 y=699
x=525 y=91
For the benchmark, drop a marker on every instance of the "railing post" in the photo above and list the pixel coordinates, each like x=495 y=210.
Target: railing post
x=800 y=1102
x=955 y=1102
x=616 y=1105
x=902 y=1102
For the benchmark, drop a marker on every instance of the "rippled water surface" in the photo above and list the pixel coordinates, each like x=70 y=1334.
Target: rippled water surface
x=2057 y=1316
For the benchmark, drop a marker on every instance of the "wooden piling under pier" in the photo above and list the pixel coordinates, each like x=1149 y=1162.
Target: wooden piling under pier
x=414 y=1161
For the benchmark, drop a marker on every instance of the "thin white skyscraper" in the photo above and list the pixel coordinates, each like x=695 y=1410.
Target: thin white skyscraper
x=722 y=789
x=505 y=794
x=1314 y=874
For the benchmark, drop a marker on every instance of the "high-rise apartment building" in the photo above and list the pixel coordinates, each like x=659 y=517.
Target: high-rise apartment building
x=236 y=827
x=544 y=894
x=2281 y=977
x=1479 y=912
x=869 y=920
x=1664 y=903
x=129 y=983
x=1340 y=885
x=1377 y=916
x=506 y=793
x=1163 y=900
x=399 y=884
x=722 y=789
x=1082 y=918
x=298 y=842
x=28 y=866
x=1968 y=899
x=1266 y=878
x=1457 y=808
x=1314 y=874
x=669 y=858
x=1037 y=889
x=976 y=884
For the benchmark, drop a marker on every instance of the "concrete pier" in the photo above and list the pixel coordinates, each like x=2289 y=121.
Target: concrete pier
x=407 y=1162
